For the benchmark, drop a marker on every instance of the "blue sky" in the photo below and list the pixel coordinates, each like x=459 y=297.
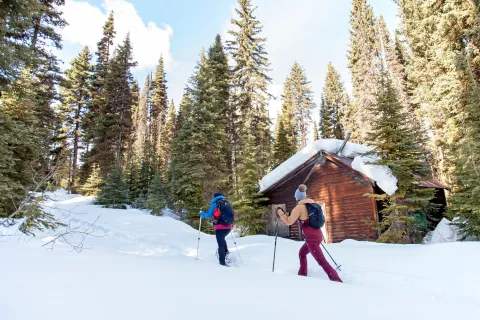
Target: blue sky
x=313 y=32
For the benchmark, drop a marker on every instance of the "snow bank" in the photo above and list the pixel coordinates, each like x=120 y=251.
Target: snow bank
x=144 y=268
x=380 y=174
x=444 y=232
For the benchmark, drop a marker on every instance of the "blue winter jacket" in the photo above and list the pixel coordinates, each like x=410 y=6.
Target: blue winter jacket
x=213 y=206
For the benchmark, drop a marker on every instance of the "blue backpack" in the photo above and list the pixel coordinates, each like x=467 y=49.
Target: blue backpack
x=316 y=219
x=226 y=212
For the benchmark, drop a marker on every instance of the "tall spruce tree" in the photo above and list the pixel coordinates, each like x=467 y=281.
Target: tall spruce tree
x=16 y=17
x=249 y=87
x=465 y=203
x=204 y=133
x=185 y=106
x=334 y=103
x=299 y=95
x=129 y=155
x=76 y=97
x=168 y=131
x=287 y=117
x=219 y=98
x=158 y=108
x=282 y=149
x=395 y=145
x=92 y=121
x=115 y=122
x=29 y=75
x=364 y=61
x=250 y=206
x=188 y=167
x=140 y=133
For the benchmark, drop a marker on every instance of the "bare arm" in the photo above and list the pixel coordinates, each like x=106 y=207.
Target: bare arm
x=289 y=220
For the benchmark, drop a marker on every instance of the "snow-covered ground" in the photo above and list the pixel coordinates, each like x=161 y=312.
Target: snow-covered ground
x=136 y=266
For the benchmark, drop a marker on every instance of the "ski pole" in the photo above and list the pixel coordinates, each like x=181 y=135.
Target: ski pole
x=275 y=247
x=338 y=266
x=198 y=242
x=238 y=252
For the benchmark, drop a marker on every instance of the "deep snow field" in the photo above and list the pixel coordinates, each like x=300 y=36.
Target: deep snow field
x=135 y=266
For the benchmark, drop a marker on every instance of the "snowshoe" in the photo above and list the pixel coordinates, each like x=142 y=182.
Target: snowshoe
x=228 y=259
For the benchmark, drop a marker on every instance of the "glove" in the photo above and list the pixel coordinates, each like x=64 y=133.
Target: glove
x=280 y=211
x=203 y=214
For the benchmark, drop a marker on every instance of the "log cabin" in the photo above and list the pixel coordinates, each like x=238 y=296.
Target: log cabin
x=334 y=182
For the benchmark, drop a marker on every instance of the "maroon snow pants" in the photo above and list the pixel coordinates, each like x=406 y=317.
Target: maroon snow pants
x=312 y=245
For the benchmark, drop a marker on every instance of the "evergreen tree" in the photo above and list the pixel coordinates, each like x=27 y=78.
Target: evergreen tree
x=249 y=206
x=115 y=123
x=392 y=61
x=465 y=203
x=92 y=123
x=184 y=105
x=144 y=178
x=299 y=95
x=218 y=95
x=364 y=61
x=334 y=103
x=158 y=107
x=28 y=29
x=316 y=135
x=187 y=167
x=29 y=74
x=129 y=154
x=289 y=124
x=141 y=124
x=281 y=148
x=114 y=193
x=76 y=98
x=135 y=101
x=94 y=182
x=395 y=146
x=156 y=200
x=202 y=170
x=434 y=34
x=168 y=132
x=16 y=17
x=61 y=157
x=19 y=152
x=249 y=84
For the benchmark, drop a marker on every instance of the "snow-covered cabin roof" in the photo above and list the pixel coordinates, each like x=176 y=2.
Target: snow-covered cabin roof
x=382 y=175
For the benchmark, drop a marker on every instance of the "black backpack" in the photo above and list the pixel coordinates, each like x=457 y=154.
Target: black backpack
x=226 y=212
x=316 y=219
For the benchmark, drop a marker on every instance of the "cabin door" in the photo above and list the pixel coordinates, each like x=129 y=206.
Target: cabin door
x=283 y=230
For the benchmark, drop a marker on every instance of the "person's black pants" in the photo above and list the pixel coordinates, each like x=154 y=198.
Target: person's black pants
x=222 y=244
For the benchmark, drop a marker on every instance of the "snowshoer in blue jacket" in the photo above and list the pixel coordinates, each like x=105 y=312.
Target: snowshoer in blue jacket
x=222 y=229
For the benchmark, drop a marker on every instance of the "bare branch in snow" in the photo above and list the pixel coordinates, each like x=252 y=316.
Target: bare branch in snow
x=69 y=234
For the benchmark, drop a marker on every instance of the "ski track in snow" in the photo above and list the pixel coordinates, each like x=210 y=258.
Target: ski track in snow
x=440 y=279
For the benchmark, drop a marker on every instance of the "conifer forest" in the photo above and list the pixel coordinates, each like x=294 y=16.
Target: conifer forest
x=90 y=127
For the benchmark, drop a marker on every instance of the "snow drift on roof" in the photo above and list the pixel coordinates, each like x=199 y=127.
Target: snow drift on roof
x=380 y=174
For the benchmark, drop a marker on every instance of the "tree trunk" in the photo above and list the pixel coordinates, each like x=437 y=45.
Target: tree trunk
x=76 y=138
x=35 y=32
